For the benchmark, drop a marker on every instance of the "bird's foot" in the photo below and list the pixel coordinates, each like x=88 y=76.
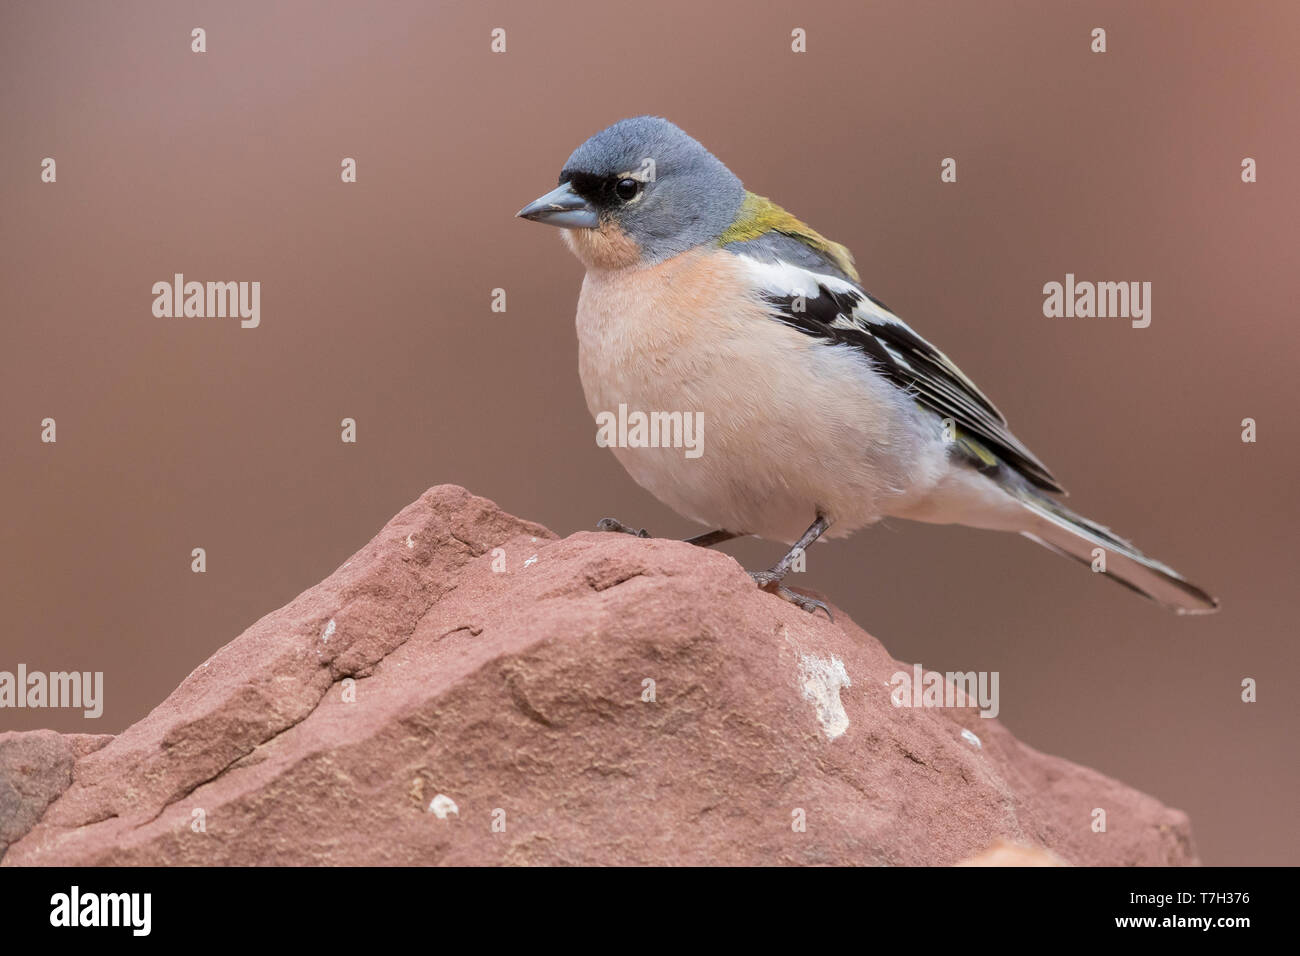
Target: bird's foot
x=613 y=524
x=770 y=581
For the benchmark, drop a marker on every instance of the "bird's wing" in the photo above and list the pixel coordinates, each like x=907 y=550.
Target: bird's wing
x=814 y=294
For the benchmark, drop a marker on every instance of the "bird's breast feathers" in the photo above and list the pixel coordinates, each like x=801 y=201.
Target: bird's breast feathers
x=792 y=422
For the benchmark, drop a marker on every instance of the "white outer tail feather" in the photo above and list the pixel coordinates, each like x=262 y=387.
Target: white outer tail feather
x=1059 y=529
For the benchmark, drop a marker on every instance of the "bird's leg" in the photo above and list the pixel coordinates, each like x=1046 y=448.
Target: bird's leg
x=710 y=538
x=771 y=580
x=706 y=540
x=613 y=524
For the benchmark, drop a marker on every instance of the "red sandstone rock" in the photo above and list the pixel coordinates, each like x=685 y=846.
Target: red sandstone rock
x=500 y=717
x=35 y=768
x=1006 y=853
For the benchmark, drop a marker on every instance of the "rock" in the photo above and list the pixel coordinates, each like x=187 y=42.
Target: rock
x=1006 y=853
x=35 y=768
x=469 y=689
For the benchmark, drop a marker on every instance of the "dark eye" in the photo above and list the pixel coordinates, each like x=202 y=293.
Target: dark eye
x=627 y=189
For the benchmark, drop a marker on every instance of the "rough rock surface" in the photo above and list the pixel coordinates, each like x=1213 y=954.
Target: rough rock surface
x=1006 y=853
x=469 y=689
x=35 y=768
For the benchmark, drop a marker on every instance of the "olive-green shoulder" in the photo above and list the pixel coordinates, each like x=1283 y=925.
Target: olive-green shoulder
x=758 y=216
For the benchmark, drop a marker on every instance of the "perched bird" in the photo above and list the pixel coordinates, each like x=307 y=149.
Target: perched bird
x=823 y=411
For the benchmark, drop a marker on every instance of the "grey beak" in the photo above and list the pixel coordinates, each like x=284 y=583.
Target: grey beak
x=562 y=207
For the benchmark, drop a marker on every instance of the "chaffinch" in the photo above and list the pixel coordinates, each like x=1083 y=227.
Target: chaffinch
x=822 y=410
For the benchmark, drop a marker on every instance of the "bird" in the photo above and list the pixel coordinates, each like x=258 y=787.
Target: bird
x=822 y=412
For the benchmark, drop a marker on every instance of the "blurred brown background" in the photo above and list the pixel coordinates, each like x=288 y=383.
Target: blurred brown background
x=183 y=433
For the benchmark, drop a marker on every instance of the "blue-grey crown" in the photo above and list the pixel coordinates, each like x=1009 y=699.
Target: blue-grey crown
x=692 y=199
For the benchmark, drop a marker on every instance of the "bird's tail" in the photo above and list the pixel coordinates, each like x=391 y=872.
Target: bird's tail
x=1054 y=526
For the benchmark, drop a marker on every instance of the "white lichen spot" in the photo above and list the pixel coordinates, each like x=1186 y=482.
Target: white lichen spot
x=970 y=738
x=328 y=632
x=822 y=680
x=531 y=561
x=441 y=805
x=410 y=541
x=533 y=540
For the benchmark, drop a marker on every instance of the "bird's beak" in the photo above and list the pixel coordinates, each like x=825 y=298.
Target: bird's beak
x=562 y=207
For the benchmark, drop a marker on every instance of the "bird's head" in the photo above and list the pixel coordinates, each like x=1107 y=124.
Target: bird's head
x=638 y=193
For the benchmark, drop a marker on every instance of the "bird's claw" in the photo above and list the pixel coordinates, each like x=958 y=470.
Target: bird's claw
x=770 y=581
x=613 y=524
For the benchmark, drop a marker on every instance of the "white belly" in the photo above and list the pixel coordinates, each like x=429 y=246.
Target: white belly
x=791 y=427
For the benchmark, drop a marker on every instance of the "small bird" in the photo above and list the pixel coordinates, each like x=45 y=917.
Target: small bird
x=823 y=411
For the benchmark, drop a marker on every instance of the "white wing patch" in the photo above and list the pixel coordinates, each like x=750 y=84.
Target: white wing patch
x=838 y=310
x=788 y=279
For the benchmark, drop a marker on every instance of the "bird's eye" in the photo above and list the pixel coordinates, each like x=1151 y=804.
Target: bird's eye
x=627 y=189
